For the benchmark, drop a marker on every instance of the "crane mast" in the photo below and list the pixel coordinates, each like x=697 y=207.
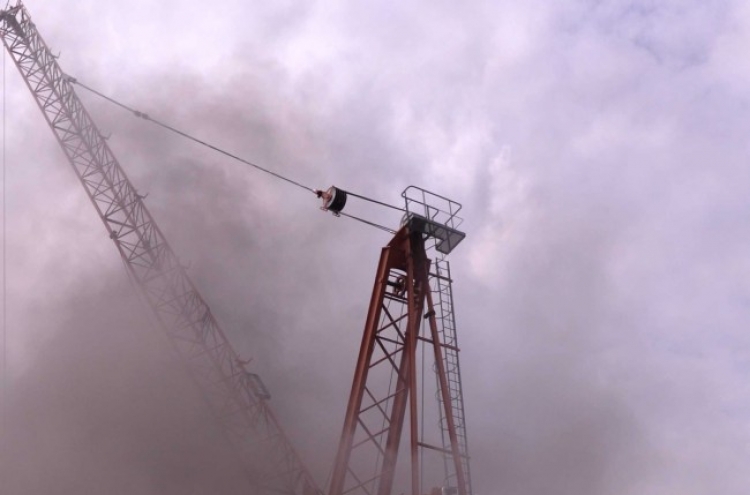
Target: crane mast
x=410 y=292
x=235 y=396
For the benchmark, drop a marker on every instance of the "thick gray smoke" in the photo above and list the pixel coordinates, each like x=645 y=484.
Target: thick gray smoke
x=105 y=407
x=241 y=237
x=600 y=152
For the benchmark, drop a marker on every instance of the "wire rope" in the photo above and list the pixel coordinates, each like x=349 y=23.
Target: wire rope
x=170 y=128
x=372 y=224
x=375 y=201
x=145 y=116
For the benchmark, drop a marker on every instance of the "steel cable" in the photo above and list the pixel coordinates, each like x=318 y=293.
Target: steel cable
x=145 y=116
x=168 y=127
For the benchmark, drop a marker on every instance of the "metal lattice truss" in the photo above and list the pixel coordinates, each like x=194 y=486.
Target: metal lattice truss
x=442 y=293
x=229 y=389
x=384 y=391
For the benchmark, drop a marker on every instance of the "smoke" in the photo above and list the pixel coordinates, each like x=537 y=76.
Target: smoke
x=599 y=151
x=103 y=401
x=106 y=407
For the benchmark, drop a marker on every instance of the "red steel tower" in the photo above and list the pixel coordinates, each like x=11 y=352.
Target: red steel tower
x=410 y=315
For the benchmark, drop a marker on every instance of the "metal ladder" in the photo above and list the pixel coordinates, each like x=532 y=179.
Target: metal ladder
x=446 y=321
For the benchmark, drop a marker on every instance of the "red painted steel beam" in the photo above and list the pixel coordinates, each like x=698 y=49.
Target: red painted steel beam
x=393 y=326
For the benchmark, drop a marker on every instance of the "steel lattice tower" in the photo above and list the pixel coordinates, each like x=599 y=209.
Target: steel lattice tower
x=235 y=397
x=385 y=389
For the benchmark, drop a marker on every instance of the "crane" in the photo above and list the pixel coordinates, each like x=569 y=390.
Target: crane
x=234 y=396
x=409 y=292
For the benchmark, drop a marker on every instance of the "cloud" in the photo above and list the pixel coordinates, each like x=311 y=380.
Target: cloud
x=601 y=291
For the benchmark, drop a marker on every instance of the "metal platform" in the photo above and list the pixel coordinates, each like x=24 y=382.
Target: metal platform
x=435 y=216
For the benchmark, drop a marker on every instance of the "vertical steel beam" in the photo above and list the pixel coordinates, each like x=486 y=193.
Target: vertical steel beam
x=361 y=371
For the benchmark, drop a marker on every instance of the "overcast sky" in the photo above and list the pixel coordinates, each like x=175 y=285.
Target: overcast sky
x=600 y=149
